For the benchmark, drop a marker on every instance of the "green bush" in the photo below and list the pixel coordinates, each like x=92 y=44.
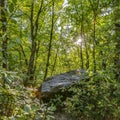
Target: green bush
x=17 y=102
x=96 y=99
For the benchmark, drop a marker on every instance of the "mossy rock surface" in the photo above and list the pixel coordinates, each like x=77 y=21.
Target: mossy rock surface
x=55 y=83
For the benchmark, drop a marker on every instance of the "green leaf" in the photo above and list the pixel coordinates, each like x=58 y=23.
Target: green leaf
x=12 y=91
x=0 y=24
x=12 y=118
x=14 y=21
x=11 y=7
x=18 y=41
x=14 y=1
x=27 y=108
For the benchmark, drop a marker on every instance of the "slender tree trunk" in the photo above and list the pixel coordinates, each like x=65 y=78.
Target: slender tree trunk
x=94 y=45
x=50 y=43
x=87 y=55
x=117 y=38
x=30 y=72
x=81 y=45
x=104 y=64
x=94 y=5
x=82 y=32
x=81 y=55
x=23 y=52
x=55 y=60
x=83 y=37
x=22 y=49
x=34 y=30
x=80 y=18
x=3 y=34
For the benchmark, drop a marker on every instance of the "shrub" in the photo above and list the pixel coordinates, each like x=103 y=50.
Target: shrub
x=19 y=103
x=96 y=99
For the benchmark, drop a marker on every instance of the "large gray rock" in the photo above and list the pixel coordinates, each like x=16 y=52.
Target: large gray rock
x=56 y=83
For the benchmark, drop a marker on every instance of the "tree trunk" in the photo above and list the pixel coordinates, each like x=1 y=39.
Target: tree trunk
x=94 y=5
x=94 y=46
x=117 y=38
x=55 y=60
x=50 y=43
x=30 y=72
x=3 y=34
x=34 y=30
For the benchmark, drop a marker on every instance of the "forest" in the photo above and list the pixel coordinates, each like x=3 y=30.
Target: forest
x=44 y=38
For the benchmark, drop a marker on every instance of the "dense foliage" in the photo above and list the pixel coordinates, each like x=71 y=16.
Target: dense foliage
x=20 y=103
x=41 y=38
x=98 y=99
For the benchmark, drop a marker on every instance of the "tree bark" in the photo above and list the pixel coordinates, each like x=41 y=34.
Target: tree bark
x=3 y=34
x=50 y=43
x=94 y=46
x=34 y=30
x=117 y=38
x=94 y=7
x=30 y=72
x=55 y=60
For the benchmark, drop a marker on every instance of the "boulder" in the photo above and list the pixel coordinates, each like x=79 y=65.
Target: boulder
x=54 y=84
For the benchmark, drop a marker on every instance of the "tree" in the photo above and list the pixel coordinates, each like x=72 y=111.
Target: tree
x=116 y=8
x=34 y=30
x=3 y=33
x=50 y=43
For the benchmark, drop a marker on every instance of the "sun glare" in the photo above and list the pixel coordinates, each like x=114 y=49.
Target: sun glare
x=79 y=41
